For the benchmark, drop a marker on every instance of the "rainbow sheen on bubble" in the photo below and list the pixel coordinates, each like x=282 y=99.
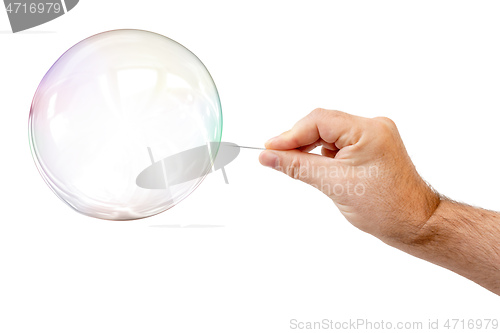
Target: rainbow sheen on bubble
x=115 y=104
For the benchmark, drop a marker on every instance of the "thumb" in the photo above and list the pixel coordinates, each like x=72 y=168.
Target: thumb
x=309 y=168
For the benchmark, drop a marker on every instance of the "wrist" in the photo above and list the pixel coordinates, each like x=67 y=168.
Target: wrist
x=415 y=225
x=425 y=233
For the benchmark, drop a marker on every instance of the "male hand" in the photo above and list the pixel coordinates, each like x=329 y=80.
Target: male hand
x=364 y=169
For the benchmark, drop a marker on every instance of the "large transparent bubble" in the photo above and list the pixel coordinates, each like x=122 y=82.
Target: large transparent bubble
x=125 y=124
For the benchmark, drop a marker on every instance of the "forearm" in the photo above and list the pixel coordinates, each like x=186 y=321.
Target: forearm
x=463 y=239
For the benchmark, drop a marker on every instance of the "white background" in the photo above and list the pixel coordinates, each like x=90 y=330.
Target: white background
x=263 y=249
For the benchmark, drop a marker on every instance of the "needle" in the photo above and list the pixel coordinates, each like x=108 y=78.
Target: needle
x=247 y=147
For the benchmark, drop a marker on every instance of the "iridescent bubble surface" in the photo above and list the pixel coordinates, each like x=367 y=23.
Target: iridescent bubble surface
x=114 y=105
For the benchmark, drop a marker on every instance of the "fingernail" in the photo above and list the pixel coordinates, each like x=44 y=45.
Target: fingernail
x=268 y=159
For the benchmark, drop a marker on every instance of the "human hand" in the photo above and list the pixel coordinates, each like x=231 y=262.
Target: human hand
x=364 y=169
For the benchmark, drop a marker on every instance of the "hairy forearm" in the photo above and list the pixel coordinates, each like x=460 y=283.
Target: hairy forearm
x=463 y=239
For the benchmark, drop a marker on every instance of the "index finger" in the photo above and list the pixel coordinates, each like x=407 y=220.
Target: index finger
x=334 y=127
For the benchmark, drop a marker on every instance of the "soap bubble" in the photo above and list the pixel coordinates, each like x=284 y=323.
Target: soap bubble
x=119 y=103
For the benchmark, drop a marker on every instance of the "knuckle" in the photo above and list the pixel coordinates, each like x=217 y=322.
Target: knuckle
x=318 y=111
x=294 y=168
x=385 y=130
x=386 y=123
x=321 y=114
